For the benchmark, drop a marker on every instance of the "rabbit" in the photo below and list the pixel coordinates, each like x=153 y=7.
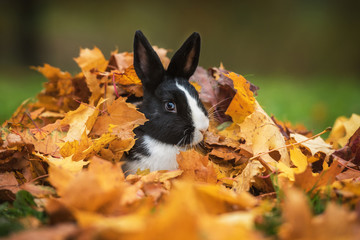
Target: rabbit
x=176 y=117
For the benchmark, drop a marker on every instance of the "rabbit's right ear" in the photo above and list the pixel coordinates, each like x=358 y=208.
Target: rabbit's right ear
x=147 y=63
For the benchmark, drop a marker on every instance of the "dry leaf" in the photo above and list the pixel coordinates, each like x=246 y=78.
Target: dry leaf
x=243 y=103
x=343 y=129
x=91 y=59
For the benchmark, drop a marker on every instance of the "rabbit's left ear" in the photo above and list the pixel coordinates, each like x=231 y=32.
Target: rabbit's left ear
x=147 y=63
x=185 y=60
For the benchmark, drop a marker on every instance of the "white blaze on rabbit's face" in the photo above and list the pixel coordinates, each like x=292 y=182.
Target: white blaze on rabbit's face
x=200 y=120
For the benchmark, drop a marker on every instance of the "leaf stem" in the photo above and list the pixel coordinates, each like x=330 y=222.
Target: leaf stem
x=291 y=144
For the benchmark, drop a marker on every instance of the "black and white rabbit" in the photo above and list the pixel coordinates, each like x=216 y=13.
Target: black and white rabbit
x=177 y=118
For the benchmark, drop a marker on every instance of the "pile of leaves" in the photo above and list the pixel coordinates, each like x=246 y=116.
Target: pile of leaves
x=253 y=178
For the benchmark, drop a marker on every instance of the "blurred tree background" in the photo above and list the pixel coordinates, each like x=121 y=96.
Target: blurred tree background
x=304 y=55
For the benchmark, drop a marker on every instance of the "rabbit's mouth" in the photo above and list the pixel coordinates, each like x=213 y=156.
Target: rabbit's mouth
x=192 y=137
x=198 y=137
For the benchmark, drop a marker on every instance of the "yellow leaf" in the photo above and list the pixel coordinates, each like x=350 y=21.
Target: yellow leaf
x=80 y=120
x=128 y=77
x=285 y=171
x=298 y=159
x=65 y=163
x=244 y=180
x=69 y=148
x=77 y=119
x=196 y=86
x=92 y=82
x=217 y=198
x=126 y=224
x=243 y=103
x=343 y=129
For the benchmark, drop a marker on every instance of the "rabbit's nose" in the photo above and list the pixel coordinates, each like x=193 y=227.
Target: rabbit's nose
x=203 y=131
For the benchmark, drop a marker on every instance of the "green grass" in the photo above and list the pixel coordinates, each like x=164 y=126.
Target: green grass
x=11 y=214
x=315 y=102
x=14 y=89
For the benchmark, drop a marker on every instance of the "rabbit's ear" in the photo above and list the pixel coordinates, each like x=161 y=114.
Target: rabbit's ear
x=185 y=60
x=147 y=63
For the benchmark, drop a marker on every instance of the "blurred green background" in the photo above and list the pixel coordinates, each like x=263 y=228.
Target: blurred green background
x=304 y=55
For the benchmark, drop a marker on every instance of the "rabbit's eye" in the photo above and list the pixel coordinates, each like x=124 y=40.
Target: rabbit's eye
x=170 y=106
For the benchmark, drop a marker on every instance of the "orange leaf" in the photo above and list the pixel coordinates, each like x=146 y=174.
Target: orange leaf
x=122 y=114
x=309 y=181
x=91 y=59
x=53 y=73
x=196 y=167
x=128 y=77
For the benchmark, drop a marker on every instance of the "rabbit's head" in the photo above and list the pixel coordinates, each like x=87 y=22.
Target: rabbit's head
x=172 y=105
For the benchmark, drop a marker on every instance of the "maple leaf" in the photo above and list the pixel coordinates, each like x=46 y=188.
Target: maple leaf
x=92 y=82
x=128 y=77
x=122 y=114
x=308 y=180
x=91 y=59
x=52 y=73
x=65 y=163
x=196 y=167
x=299 y=160
x=80 y=120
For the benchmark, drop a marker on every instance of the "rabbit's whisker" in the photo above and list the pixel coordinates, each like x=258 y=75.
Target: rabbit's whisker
x=217 y=104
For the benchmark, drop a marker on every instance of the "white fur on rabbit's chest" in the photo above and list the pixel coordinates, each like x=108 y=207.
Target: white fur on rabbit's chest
x=161 y=156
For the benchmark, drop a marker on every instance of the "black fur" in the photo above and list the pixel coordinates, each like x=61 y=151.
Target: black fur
x=159 y=87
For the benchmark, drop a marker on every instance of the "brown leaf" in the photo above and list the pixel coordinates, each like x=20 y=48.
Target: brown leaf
x=8 y=183
x=120 y=61
x=351 y=151
x=310 y=181
x=61 y=231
